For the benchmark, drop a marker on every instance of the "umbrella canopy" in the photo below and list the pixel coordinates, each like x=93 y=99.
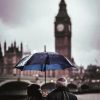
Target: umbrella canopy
x=43 y=61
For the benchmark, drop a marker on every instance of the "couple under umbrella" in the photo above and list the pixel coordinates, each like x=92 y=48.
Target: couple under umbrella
x=59 y=93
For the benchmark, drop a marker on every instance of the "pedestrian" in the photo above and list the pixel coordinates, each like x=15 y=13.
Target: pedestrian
x=33 y=92
x=61 y=91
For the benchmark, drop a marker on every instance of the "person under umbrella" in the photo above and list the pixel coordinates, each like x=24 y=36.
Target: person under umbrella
x=33 y=92
x=61 y=92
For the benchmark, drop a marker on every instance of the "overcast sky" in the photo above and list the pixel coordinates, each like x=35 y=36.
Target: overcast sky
x=32 y=22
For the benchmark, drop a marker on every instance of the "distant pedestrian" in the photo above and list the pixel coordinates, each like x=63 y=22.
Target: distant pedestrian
x=61 y=92
x=33 y=92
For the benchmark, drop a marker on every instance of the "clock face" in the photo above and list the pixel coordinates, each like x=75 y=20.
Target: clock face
x=60 y=27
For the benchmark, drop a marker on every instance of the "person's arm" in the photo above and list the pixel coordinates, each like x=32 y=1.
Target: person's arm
x=73 y=97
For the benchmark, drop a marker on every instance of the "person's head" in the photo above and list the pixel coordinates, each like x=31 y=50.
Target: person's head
x=61 y=82
x=32 y=88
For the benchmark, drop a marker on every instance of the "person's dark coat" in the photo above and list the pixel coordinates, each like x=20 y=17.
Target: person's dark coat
x=61 y=94
x=34 y=92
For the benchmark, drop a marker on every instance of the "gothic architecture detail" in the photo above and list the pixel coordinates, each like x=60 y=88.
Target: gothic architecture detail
x=11 y=56
x=63 y=31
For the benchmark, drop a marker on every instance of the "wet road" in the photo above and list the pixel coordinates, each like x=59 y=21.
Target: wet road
x=89 y=96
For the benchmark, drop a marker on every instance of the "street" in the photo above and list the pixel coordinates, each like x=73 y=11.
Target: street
x=89 y=96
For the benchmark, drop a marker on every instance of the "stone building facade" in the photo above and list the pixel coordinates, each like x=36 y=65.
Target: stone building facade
x=9 y=56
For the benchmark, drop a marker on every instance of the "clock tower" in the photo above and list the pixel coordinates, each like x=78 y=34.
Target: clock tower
x=63 y=31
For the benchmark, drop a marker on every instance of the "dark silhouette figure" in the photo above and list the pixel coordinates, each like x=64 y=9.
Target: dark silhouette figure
x=61 y=92
x=33 y=92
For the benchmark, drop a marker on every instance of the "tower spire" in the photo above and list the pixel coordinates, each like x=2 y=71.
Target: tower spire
x=21 y=47
x=5 y=47
x=15 y=44
x=62 y=2
x=62 y=9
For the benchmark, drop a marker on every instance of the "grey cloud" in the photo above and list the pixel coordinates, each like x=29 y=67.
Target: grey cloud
x=11 y=11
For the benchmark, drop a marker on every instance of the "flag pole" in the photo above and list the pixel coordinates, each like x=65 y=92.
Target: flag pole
x=44 y=48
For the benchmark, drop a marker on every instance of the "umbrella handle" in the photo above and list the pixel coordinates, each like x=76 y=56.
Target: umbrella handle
x=45 y=76
x=45 y=72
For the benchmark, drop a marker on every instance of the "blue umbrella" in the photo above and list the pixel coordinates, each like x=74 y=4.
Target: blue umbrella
x=43 y=61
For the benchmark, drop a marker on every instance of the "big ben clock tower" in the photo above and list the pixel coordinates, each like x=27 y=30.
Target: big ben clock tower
x=63 y=31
